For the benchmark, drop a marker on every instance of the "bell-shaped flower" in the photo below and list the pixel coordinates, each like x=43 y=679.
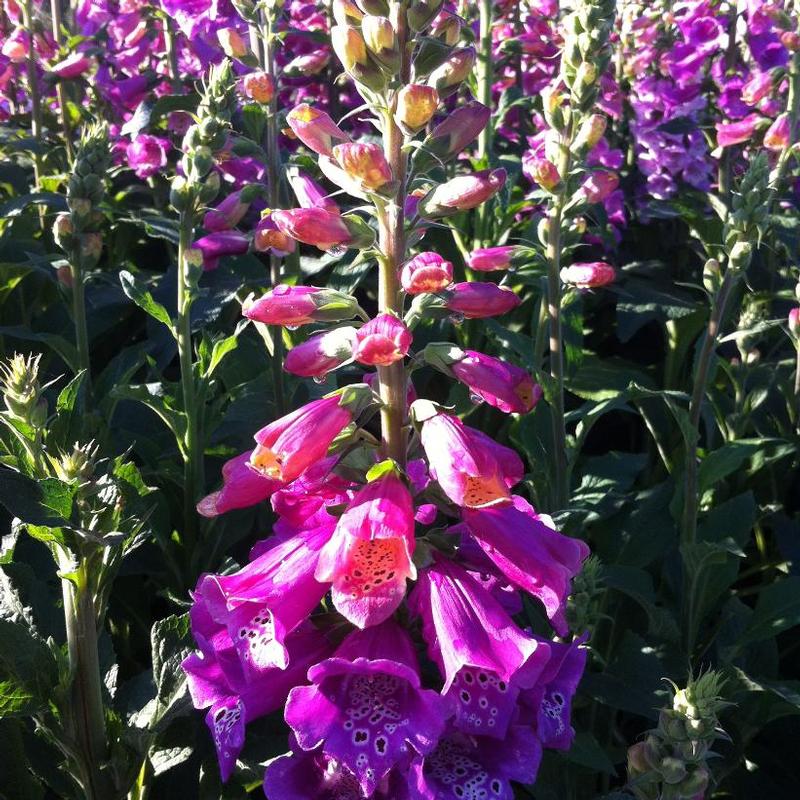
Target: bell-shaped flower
x=368 y=558
x=778 y=134
x=599 y=185
x=315 y=129
x=416 y=104
x=321 y=353
x=460 y=128
x=426 y=272
x=291 y=444
x=262 y=603
x=298 y=305
x=530 y=553
x=730 y=133
x=241 y=487
x=472 y=469
x=486 y=660
x=234 y=696
x=382 y=341
x=258 y=86
x=489 y=259
x=314 y=226
x=73 y=66
x=230 y=212
x=310 y=194
x=267 y=238
x=476 y=300
x=219 y=244
x=366 y=707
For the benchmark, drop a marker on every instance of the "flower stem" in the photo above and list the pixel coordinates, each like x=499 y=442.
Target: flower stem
x=58 y=22
x=391 y=240
x=485 y=78
x=172 y=54
x=79 y=314
x=36 y=105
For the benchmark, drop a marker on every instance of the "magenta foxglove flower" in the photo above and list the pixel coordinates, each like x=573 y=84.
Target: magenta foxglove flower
x=426 y=272
x=502 y=385
x=293 y=306
x=530 y=553
x=291 y=444
x=364 y=164
x=368 y=558
x=241 y=487
x=223 y=243
x=365 y=706
x=599 y=185
x=541 y=171
x=793 y=321
x=73 y=66
x=315 y=129
x=463 y=193
x=310 y=194
x=320 y=354
x=730 y=133
x=15 y=47
x=778 y=134
x=228 y=214
x=489 y=259
x=262 y=603
x=475 y=300
x=589 y=275
x=233 y=696
x=484 y=657
x=465 y=766
x=382 y=341
x=459 y=129
x=146 y=155
x=313 y=226
x=472 y=469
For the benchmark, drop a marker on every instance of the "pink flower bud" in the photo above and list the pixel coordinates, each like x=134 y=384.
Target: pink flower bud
x=293 y=306
x=489 y=259
x=15 y=47
x=364 y=164
x=543 y=172
x=219 y=244
x=463 y=193
x=228 y=214
x=382 y=341
x=599 y=185
x=588 y=275
x=476 y=300
x=791 y=41
x=146 y=154
x=312 y=226
x=459 y=129
x=591 y=131
x=267 y=238
x=72 y=66
x=232 y=43
x=309 y=64
x=310 y=194
x=729 y=133
x=426 y=272
x=794 y=321
x=416 y=104
x=259 y=87
x=777 y=135
x=319 y=354
x=757 y=88
x=447 y=77
x=315 y=129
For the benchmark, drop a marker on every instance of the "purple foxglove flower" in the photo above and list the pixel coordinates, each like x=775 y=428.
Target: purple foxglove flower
x=293 y=306
x=588 y=275
x=757 y=88
x=366 y=708
x=730 y=133
x=146 y=154
x=73 y=66
x=426 y=272
x=778 y=134
x=320 y=354
x=475 y=300
x=382 y=341
x=262 y=603
x=310 y=194
x=241 y=487
x=502 y=385
x=484 y=657
x=314 y=226
x=223 y=243
x=472 y=469
x=234 y=697
x=599 y=185
x=458 y=130
x=368 y=558
x=465 y=766
x=267 y=238
x=489 y=259
x=463 y=193
x=229 y=213
x=530 y=553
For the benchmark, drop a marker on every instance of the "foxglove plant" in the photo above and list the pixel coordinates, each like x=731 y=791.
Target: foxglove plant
x=368 y=519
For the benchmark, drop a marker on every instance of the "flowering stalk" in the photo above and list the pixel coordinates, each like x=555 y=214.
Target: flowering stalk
x=57 y=18
x=485 y=77
x=33 y=89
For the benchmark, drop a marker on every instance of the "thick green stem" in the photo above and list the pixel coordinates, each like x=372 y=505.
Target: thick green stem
x=192 y=449
x=79 y=314
x=172 y=55
x=391 y=239
x=724 y=168
x=86 y=714
x=485 y=77
x=33 y=90
x=66 y=128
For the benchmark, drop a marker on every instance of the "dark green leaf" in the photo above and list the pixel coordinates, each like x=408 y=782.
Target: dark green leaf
x=144 y=299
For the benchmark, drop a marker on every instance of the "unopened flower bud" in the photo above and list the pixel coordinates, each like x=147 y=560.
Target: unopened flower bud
x=232 y=43
x=91 y=246
x=381 y=39
x=422 y=12
x=73 y=66
x=793 y=321
x=351 y=50
x=63 y=230
x=740 y=255
x=447 y=28
x=447 y=77
x=590 y=132
x=416 y=104
x=791 y=41
x=463 y=193
x=363 y=163
x=21 y=388
x=543 y=172
x=259 y=87
x=475 y=300
x=382 y=341
x=672 y=770
x=599 y=185
x=181 y=193
x=320 y=354
x=426 y=272
x=313 y=226
x=712 y=274
x=489 y=259
x=588 y=275
x=293 y=306
x=346 y=12
x=315 y=129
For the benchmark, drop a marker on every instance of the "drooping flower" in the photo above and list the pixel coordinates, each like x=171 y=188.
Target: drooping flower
x=530 y=553
x=485 y=659
x=368 y=558
x=73 y=66
x=147 y=155
x=447 y=77
x=599 y=185
x=321 y=353
x=543 y=172
x=382 y=341
x=234 y=696
x=463 y=193
x=416 y=104
x=730 y=133
x=267 y=238
x=228 y=213
x=241 y=487
x=299 y=305
x=366 y=707
x=426 y=272
x=310 y=194
x=472 y=469
x=315 y=129
x=588 y=275
x=222 y=243
x=489 y=259
x=778 y=134
x=364 y=163
x=315 y=226
x=259 y=86
x=459 y=129
x=476 y=300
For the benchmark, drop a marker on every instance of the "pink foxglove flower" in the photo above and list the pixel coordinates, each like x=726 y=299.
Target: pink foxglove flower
x=315 y=129
x=364 y=164
x=233 y=696
x=310 y=194
x=320 y=354
x=222 y=243
x=543 y=172
x=793 y=321
x=475 y=300
x=599 y=185
x=489 y=259
x=293 y=306
x=459 y=129
x=368 y=559
x=426 y=272
x=778 y=134
x=73 y=66
x=290 y=445
x=229 y=213
x=366 y=707
x=472 y=469
x=484 y=657
x=589 y=275
x=241 y=488
x=730 y=133
x=258 y=86
x=267 y=238
x=530 y=553
x=147 y=155
x=313 y=226
x=463 y=193
x=500 y=384
x=382 y=341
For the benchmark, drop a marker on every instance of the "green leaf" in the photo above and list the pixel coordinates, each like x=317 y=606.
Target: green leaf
x=67 y=426
x=157 y=399
x=254 y=119
x=144 y=299
x=777 y=609
x=718 y=464
x=61 y=346
x=28 y=671
x=47 y=502
x=171 y=642
x=587 y=752
x=604 y=379
x=16 y=781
